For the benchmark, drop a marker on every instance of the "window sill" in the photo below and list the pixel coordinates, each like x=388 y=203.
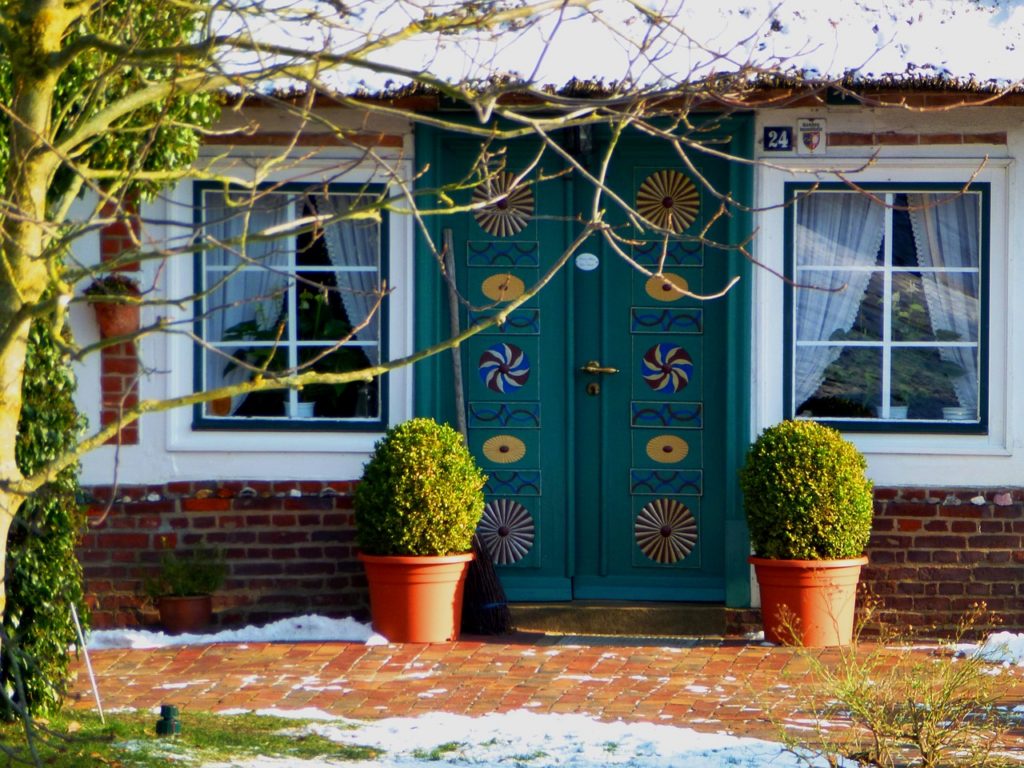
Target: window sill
x=272 y=442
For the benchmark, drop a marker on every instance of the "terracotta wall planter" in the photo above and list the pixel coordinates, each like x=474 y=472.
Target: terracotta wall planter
x=819 y=595
x=416 y=599
x=116 y=319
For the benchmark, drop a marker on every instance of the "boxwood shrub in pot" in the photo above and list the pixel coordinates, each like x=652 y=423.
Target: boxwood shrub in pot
x=416 y=508
x=809 y=508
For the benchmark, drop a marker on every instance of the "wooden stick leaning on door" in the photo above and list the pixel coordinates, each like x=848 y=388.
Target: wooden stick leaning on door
x=448 y=251
x=485 y=605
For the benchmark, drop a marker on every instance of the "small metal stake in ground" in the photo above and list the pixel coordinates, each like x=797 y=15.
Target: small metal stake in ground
x=168 y=724
x=88 y=663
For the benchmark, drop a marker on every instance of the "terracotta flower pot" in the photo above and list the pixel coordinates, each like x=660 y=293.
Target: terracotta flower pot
x=816 y=598
x=185 y=614
x=116 y=319
x=416 y=599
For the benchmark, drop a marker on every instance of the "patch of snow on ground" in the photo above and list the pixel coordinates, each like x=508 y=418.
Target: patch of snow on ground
x=1004 y=647
x=537 y=741
x=309 y=628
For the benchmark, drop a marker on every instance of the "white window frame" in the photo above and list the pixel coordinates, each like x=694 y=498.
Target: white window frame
x=767 y=386
x=887 y=344
x=340 y=454
x=290 y=345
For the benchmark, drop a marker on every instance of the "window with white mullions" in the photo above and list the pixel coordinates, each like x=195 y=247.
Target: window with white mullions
x=886 y=314
x=277 y=302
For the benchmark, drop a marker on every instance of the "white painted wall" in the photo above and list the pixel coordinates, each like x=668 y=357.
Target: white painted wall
x=169 y=450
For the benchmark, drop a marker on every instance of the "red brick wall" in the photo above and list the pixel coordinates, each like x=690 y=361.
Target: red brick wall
x=934 y=553
x=119 y=383
x=289 y=548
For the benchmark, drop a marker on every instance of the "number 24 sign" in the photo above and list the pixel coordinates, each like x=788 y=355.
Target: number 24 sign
x=778 y=138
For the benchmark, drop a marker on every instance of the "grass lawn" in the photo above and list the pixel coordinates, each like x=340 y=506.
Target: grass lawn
x=128 y=740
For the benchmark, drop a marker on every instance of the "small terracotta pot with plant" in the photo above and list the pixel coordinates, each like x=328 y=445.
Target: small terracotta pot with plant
x=416 y=508
x=809 y=508
x=183 y=589
x=115 y=299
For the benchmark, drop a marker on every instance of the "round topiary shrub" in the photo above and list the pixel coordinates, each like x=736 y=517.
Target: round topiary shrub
x=806 y=494
x=421 y=493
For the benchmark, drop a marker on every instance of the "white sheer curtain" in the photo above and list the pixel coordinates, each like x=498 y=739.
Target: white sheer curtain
x=832 y=230
x=947 y=237
x=248 y=278
x=354 y=244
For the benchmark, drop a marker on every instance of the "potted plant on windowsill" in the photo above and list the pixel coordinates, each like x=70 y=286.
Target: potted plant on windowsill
x=115 y=299
x=416 y=508
x=809 y=508
x=184 y=587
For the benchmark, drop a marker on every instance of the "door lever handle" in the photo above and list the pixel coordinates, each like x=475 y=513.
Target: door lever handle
x=595 y=367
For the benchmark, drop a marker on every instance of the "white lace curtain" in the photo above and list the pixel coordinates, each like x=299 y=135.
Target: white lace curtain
x=248 y=277
x=947 y=237
x=835 y=230
x=353 y=247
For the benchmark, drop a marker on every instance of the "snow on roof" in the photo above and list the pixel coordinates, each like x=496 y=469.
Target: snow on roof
x=958 y=45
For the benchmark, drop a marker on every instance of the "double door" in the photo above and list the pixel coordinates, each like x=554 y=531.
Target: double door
x=597 y=409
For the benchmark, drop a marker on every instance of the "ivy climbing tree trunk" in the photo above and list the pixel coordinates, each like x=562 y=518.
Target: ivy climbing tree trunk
x=33 y=42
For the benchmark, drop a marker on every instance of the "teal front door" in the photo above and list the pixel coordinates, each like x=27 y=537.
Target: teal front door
x=599 y=408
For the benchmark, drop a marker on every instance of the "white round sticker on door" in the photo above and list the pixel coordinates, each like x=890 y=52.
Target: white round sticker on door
x=587 y=262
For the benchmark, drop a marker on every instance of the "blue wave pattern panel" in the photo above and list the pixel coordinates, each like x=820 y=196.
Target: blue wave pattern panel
x=481 y=253
x=658 y=320
x=522 y=321
x=521 y=483
x=523 y=415
x=678 y=253
x=655 y=482
x=684 y=415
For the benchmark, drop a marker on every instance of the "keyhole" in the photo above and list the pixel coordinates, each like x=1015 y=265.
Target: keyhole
x=593 y=388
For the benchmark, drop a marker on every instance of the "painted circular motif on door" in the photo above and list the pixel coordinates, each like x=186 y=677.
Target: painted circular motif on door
x=668 y=199
x=666 y=368
x=504 y=367
x=666 y=287
x=666 y=531
x=667 y=449
x=510 y=206
x=503 y=287
x=507 y=531
x=504 y=449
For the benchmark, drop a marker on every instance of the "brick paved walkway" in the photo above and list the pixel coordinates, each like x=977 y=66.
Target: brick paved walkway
x=711 y=685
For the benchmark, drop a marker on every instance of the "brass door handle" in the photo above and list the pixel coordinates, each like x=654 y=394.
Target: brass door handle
x=595 y=367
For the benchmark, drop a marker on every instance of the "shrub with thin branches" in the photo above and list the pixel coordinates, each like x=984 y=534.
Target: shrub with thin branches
x=904 y=709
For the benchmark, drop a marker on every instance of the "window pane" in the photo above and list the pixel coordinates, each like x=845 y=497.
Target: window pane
x=233 y=225
x=357 y=399
x=851 y=386
x=246 y=306
x=936 y=382
x=838 y=229
x=904 y=252
x=839 y=306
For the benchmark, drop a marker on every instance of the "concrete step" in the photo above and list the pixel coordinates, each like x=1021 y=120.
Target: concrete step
x=602 y=617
